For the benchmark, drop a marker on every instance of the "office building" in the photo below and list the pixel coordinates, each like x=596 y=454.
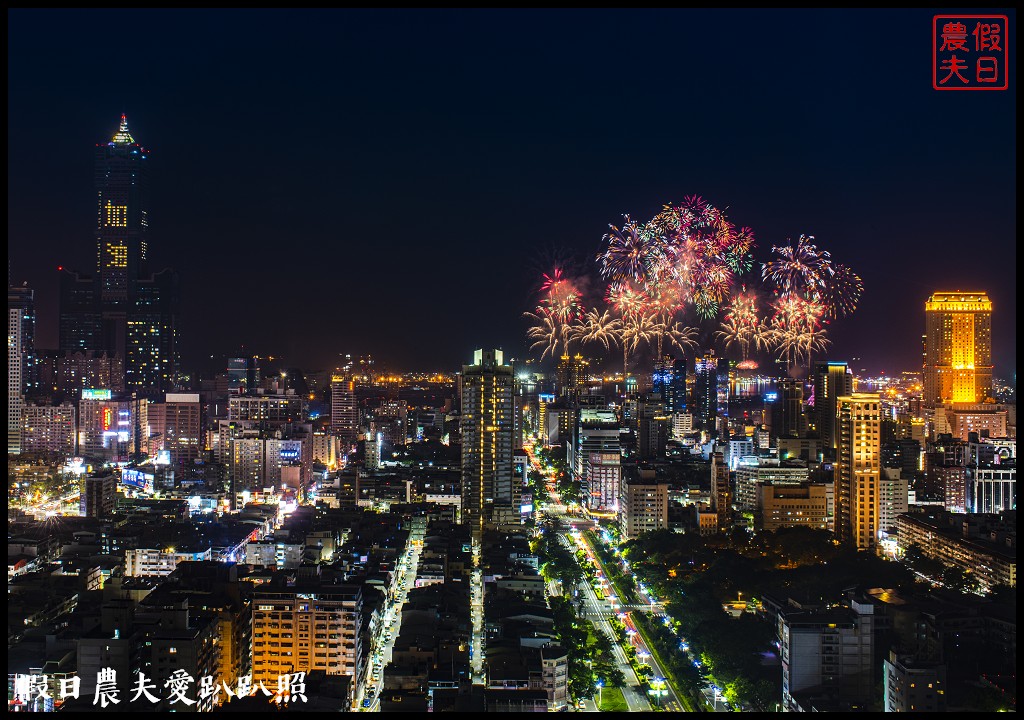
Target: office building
x=831 y=380
x=175 y=425
x=268 y=409
x=97 y=496
x=957 y=348
x=829 y=650
x=893 y=498
x=751 y=473
x=857 y=469
x=705 y=396
x=786 y=505
x=20 y=360
x=243 y=375
x=111 y=427
x=80 y=318
x=604 y=479
x=572 y=378
x=644 y=504
x=912 y=685
x=991 y=487
x=669 y=381
x=682 y=425
x=486 y=424
x=787 y=412
x=596 y=431
x=344 y=413
x=49 y=429
x=306 y=625
x=721 y=491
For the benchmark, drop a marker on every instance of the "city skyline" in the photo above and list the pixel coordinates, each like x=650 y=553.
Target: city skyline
x=507 y=147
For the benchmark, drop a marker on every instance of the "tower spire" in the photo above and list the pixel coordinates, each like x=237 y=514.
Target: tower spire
x=122 y=136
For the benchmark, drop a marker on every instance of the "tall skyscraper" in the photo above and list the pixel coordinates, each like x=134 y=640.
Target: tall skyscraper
x=487 y=425
x=21 y=323
x=787 y=413
x=126 y=309
x=572 y=378
x=831 y=380
x=957 y=348
x=858 y=468
x=669 y=381
x=705 y=397
x=344 y=413
x=722 y=384
x=595 y=431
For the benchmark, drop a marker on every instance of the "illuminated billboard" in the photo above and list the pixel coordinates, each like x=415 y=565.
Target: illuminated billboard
x=95 y=394
x=136 y=479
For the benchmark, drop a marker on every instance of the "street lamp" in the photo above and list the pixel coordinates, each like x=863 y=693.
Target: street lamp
x=600 y=686
x=658 y=689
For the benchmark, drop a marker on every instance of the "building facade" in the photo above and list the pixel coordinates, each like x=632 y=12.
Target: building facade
x=487 y=429
x=957 y=348
x=644 y=505
x=49 y=429
x=858 y=469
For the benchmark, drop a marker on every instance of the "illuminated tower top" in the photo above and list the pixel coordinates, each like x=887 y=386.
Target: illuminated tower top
x=958 y=348
x=122 y=136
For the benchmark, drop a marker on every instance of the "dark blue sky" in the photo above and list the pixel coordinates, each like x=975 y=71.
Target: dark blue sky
x=392 y=181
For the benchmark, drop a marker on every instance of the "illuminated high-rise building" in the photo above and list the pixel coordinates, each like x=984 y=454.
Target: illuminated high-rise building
x=20 y=360
x=957 y=348
x=595 y=431
x=669 y=381
x=858 y=469
x=125 y=309
x=487 y=407
x=176 y=425
x=344 y=412
x=304 y=622
x=831 y=380
x=572 y=377
x=705 y=398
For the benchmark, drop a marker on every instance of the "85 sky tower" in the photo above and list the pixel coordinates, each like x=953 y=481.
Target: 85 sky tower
x=125 y=310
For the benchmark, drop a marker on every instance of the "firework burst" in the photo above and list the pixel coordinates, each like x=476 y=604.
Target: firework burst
x=631 y=253
x=703 y=252
x=626 y=298
x=597 y=327
x=805 y=271
x=560 y=299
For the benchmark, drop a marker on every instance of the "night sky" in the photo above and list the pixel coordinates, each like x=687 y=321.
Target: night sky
x=394 y=182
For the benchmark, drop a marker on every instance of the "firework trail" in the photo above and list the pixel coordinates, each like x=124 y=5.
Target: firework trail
x=598 y=327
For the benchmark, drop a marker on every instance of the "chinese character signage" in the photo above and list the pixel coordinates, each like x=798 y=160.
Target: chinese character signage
x=969 y=52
